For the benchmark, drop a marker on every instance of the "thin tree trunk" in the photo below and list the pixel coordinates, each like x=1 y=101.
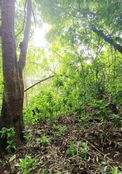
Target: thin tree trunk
x=24 y=43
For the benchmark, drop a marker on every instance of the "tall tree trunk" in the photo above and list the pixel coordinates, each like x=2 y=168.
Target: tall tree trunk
x=12 y=106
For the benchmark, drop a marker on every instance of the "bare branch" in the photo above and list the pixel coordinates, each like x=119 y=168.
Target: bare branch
x=38 y=83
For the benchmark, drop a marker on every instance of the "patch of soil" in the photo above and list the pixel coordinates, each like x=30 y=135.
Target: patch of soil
x=103 y=151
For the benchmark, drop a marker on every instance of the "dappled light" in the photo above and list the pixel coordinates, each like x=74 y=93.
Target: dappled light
x=61 y=87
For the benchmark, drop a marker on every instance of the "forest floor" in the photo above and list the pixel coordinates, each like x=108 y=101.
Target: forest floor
x=67 y=146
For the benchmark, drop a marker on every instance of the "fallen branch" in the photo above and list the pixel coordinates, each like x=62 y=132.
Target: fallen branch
x=38 y=83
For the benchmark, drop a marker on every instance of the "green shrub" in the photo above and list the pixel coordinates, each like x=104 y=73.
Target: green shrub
x=26 y=163
x=44 y=139
x=9 y=134
x=71 y=150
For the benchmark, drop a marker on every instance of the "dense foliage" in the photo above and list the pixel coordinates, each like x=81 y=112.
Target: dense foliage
x=72 y=88
x=87 y=68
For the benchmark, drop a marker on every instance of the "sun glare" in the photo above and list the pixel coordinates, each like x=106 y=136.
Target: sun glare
x=39 y=38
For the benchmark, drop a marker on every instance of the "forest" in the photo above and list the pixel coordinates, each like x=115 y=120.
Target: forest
x=61 y=87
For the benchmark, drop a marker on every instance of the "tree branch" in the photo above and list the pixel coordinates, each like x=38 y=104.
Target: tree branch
x=23 y=25
x=38 y=83
x=24 y=43
x=108 y=39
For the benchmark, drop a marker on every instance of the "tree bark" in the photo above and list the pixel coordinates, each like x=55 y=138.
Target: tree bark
x=12 y=105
